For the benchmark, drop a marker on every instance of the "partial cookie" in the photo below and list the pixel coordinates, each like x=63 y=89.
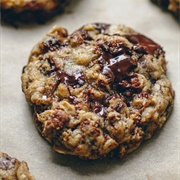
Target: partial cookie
x=13 y=169
x=171 y=5
x=30 y=10
x=100 y=90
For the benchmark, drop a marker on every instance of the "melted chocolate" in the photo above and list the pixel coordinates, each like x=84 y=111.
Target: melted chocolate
x=73 y=79
x=113 y=49
x=118 y=67
x=115 y=59
x=54 y=44
x=104 y=58
x=143 y=44
x=120 y=48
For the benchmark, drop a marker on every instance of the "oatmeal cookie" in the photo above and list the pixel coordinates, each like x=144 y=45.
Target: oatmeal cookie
x=171 y=5
x=30 y=10
x=101 y=90
x=13 y=169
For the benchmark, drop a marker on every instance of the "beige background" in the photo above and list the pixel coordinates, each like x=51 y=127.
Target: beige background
x=156 y=159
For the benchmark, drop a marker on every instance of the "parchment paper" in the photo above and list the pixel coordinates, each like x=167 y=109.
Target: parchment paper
x=157 y=159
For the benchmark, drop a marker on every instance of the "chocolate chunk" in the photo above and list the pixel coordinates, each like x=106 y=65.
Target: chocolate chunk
x=119 y=66
x=74 y=79
x=142 y=44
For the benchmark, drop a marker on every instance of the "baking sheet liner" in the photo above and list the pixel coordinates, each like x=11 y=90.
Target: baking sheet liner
x=156 y=159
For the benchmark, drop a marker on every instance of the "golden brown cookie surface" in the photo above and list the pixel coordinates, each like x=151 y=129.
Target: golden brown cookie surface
x=102 y=88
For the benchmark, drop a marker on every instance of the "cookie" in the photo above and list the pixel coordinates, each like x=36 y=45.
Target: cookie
x=13 y=169
x=31 y=10
x=171 y=5
x=99 y=91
